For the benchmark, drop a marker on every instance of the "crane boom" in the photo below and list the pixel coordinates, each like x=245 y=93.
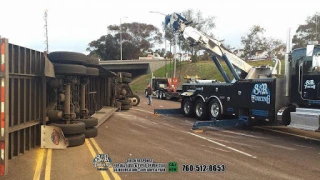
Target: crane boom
x=213 y=46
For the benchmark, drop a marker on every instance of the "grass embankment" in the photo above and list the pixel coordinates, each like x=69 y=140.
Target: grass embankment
x=204 y=69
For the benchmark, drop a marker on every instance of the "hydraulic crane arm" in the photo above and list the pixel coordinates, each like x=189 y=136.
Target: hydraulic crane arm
x=213 y=46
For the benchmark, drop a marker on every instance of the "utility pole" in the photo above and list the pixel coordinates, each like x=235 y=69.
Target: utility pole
x=121 y=37
x=174 y=53
x=46 y=30
x=120 y=40
x=316 y=27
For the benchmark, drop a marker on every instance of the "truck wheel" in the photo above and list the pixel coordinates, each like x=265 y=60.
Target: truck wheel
x=75 y=127
x=70 y=69
x=75 y=140
x=215 y=109
x=126 y=80
x=158 y=94
x=201 y=110
x=161 y=95
x=187 y=107
x=135 y=100
x=65 y=57
x=90 y=122
x=92 y=71
x=125 y=102
x=91 y=132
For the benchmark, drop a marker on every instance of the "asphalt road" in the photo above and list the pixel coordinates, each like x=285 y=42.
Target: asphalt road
x=245 y=153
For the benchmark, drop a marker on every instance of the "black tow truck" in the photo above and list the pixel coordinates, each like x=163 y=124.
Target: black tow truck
x=255 y=95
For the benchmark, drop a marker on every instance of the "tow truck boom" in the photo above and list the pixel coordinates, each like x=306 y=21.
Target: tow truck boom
x=213 y=46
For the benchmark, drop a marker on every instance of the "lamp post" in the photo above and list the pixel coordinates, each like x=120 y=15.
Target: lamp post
x=121 y=38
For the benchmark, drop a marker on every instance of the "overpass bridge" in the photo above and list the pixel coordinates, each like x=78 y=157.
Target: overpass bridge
x=136 y=67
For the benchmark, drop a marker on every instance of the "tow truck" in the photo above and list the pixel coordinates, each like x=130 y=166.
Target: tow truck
x=165 y=88
x=256 y=95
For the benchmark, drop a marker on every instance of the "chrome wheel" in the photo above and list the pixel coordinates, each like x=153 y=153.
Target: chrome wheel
x=187 y=107
x=199 y=110
x=215 y=110
x=134 y=101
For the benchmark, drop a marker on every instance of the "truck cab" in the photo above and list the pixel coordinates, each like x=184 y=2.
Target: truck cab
x=305 y=78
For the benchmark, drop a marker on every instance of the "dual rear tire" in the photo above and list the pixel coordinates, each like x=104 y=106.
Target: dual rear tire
x=200 y=109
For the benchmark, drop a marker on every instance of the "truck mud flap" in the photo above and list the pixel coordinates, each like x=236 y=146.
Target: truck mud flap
x=52 y=137
x=167 y=111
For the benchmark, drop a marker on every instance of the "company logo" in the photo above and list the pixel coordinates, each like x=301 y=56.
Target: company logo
x=260 y=93
x=102 y=162
x=309 y=84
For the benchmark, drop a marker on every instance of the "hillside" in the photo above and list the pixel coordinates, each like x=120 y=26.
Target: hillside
x=204 y=69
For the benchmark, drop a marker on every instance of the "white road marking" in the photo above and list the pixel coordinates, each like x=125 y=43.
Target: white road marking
x=241 y=134
x=304 y=146
x=228 y=147
x=283 y=147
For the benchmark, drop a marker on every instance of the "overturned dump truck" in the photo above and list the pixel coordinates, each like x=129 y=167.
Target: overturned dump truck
x=50 y=100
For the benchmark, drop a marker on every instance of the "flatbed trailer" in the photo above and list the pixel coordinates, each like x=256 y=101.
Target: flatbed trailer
x=165 y=88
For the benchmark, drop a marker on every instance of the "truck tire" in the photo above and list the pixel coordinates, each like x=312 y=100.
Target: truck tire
x=92 y=71
x=91 y=132
x=126 y=74
x=135 y=100
x=161 y=95
x=126 y=80
x=75 y=139
x=65 y=57
x=201 y=110
x=75 y=127
x=70 y=69
x=90 y=122
x=92 y=60
x=215 y=109
x=187 y=107
x=125 y=102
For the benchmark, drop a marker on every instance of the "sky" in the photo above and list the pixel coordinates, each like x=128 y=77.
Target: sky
x=72 y=24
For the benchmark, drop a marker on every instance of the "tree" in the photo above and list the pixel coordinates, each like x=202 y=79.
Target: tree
x=254 y=41
x=106 y=48
x=204 y=25
x=307 y=32
x=137 y=39
x=275 y=47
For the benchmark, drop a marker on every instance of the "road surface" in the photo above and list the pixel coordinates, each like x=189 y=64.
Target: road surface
x=245 y=153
